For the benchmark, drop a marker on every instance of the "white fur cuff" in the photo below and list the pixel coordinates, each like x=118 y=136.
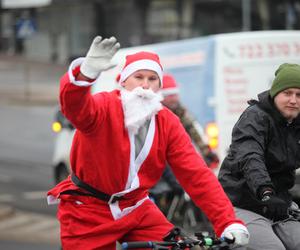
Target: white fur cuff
x=72 y=66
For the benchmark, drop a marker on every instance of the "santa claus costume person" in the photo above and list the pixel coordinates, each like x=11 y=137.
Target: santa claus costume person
x=122 y=141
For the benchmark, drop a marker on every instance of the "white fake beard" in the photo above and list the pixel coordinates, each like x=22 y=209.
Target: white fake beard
x=139 y=105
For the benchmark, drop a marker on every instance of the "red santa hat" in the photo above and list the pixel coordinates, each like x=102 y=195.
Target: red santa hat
x=169 y=86
x=139 y=61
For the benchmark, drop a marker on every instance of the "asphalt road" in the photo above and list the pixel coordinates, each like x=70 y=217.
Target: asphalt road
x=9 y=245
x=28 y=95
x=26 y=147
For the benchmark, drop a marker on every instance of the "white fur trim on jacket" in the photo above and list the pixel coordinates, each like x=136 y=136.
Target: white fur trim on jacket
x=73 y=65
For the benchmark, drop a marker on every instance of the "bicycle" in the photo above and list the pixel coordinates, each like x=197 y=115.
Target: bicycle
x=177 y=240
x=179 y=209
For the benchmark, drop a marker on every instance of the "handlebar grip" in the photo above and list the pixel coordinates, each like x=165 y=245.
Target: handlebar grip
x=141 y=244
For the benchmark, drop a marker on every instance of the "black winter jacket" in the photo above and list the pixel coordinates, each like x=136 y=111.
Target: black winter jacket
x=265 y=151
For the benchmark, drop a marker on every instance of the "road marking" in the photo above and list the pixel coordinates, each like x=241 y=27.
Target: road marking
x=35 y=195
x=30 y=227
x=5 y=178
x=7 y=198
x=41 y=224
x=16 y=221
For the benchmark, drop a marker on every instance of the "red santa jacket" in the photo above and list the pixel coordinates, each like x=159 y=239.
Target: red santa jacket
x=102 y=154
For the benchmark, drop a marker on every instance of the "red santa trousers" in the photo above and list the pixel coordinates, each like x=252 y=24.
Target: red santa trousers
x=87 y=223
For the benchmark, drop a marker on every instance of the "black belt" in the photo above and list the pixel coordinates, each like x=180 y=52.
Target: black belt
x=92 y=191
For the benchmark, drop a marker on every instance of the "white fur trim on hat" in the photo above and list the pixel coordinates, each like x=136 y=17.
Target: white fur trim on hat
x=139 y=65
x=169 y=91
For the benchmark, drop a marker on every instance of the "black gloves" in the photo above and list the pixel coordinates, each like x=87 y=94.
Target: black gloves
x=274 y=207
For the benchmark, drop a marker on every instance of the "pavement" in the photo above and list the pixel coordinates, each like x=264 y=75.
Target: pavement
x=20 y=226
x=27 y=82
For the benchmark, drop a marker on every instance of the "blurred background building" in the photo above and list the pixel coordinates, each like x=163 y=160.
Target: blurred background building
x=57 y=31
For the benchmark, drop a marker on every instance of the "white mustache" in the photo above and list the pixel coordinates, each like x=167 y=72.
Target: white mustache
x=143 y=93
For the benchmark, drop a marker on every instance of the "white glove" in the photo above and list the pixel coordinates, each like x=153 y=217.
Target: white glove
x=99 y=56
x=238 y=232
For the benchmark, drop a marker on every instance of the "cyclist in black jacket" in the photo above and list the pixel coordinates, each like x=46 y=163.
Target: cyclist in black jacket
x=260 y=166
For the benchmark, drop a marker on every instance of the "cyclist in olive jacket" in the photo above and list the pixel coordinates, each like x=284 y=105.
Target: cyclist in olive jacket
x=260 y=166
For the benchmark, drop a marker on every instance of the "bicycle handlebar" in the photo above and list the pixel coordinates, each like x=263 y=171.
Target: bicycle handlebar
x=222 y=243
x=159 y=244
x=142 y=244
